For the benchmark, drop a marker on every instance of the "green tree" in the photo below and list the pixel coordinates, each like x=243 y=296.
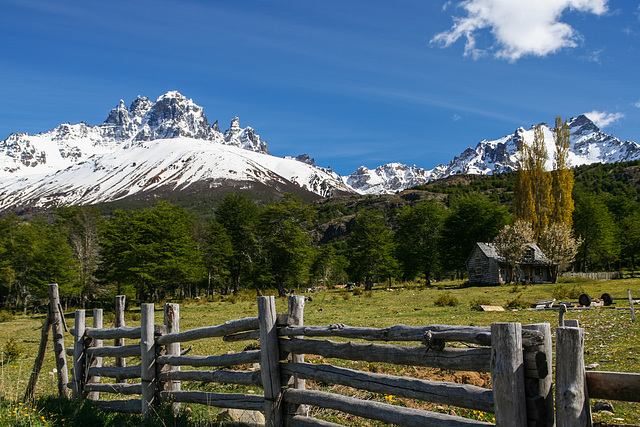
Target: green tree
x=533 y=187
x=239 y=214
x=629 y=237
x=511 y=244
x=594 y=224
x=418 y=238
x=217 y=253
x=32 y=255
x=472 y=218
x=285 y=245
x=371 y=249
x=562 y=205
x=152 y=249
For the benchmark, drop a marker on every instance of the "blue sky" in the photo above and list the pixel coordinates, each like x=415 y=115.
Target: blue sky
x=349 y=82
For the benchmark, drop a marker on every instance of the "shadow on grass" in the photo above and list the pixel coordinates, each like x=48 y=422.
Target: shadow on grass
x=65 y=412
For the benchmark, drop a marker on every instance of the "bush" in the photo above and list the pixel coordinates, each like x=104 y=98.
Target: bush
x=518 y=302
x=477 y=302
x=447 y=299
x=12 y=350
x=368 y=294
x=358 y=291
x=6 y=316
x=563 y=292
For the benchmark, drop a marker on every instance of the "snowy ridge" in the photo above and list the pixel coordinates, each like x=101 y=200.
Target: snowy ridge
x=173 y=164
x=588 y=144
x=167 y=144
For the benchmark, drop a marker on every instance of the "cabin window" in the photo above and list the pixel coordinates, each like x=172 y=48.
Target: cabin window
x=478 y=271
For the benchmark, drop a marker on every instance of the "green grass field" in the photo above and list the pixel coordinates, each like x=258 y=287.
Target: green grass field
x=612 y=340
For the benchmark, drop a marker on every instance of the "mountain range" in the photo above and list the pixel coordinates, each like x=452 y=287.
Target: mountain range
x=168 y=146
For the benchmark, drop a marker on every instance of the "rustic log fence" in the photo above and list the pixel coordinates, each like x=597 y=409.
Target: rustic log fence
x=517 y=357
x=575 y=386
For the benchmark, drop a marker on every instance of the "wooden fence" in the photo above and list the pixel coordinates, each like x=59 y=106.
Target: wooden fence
x=517 y=357
x=612 y=275
x=575 y=386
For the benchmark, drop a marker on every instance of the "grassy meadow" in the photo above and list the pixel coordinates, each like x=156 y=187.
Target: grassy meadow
x=612 y=341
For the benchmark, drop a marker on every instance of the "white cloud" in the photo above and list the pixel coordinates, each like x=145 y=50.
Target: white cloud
x=520 y=27
x=603 y=119
x=636 y=104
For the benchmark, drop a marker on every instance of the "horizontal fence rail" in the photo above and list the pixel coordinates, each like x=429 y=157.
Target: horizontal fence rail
x=517 y=357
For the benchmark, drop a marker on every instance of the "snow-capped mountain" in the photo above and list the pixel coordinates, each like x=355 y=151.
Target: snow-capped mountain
x=588 y=144
x=166 y=145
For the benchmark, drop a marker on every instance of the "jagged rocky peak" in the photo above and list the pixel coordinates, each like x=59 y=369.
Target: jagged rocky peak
x=245 y=138
x=582 y=125
x=139 y=108
x=118 y=116
x=172 y=116
x=304 y=158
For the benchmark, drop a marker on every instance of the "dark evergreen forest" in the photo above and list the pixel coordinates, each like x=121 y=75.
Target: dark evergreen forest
x=152 y=252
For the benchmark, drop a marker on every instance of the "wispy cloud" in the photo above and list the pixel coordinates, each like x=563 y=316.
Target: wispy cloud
x=519 y=28
x=603 y=119
x=636 y=104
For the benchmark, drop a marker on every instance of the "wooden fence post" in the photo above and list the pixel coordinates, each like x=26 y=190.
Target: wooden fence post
x=172 y=322
x=296 y=318
x=507 y=374
x=78 y=355
x=572 y=400
x=59 y=349
x=96 y=360
x=270 y=361
x=538 y=378
x=633 y=313
x=148 y=358
x=118 y=321
x=37 y=365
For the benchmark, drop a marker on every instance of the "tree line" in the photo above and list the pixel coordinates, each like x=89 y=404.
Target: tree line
x=166 y=251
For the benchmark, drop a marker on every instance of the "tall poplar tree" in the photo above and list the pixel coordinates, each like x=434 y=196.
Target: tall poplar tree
x=533 y=187
x=562 y=177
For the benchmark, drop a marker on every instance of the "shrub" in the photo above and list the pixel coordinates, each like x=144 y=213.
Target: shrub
x=477 y=302
x=358 y=291
x=368 y=294
x=6 y=316
x=446 y=300
x=518 y=302
x=563 y=292
x=12 y=350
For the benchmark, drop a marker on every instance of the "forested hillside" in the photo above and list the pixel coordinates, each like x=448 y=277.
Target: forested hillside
x=165 y=250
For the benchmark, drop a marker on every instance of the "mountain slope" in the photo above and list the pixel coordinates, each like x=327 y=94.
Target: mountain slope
x=166 y=145
x=588 y=145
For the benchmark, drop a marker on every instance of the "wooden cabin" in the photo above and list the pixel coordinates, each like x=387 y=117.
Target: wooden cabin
x=486 y=266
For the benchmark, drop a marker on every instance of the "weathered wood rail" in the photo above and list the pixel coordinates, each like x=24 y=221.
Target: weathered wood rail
x=518 y=359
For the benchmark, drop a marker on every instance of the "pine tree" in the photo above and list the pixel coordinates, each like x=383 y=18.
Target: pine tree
x=562 y=177
x=533 y=187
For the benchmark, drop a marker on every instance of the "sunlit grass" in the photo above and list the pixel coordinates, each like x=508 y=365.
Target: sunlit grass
x=612 y=340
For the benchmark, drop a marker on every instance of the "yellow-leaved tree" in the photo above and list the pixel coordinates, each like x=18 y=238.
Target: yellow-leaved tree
x=533 y=186
x=562 y=177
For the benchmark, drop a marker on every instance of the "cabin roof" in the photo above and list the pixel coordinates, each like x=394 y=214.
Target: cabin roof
x=533 y=255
